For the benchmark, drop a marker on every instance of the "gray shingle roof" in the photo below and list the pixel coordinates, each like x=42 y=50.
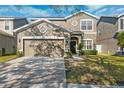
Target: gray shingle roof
x=18 y=22
x=108 y=19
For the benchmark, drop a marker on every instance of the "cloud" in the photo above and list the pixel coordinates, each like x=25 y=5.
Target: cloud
x=101 y=12
x=24 y=11
x=30 y=11
x=92 y=8
x=118 y=11
x=106 y=10
x=111 y=11
x=33 y=11
x=4 y=10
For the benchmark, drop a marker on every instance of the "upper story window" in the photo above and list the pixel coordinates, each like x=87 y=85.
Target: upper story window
x=86 y=24
x=121 y=24
x=7 y=25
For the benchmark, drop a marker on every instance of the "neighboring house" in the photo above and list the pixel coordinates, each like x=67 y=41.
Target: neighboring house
x=7 y=39
x=108 y=27
x=8 y=24
x=53 y=36
x=7 y=44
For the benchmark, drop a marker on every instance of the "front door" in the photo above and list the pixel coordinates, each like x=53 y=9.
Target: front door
x=73 y=47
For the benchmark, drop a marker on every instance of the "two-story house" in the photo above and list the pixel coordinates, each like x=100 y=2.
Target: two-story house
x=108 y=27
x=54 y=36
x=7 y=39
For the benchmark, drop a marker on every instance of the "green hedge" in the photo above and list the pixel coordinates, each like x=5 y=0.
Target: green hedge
x=89 y=52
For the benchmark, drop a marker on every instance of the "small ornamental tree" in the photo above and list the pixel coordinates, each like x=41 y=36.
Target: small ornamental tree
x=120 y=38
x=80 y=47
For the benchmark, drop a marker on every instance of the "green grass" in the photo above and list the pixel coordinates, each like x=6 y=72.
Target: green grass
x=100 y=70
x=7 y=58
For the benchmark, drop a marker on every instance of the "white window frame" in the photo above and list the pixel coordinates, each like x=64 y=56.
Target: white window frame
x=91 y=43
x=119 y=28
x=4 y=25
x=86 y=20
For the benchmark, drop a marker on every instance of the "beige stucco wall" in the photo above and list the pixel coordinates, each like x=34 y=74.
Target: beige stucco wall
x=34 y=31
x=106 y=30
x=105 y=37
x=109 y=46
x=87 y=34
x=68 y=23
x=8 y=43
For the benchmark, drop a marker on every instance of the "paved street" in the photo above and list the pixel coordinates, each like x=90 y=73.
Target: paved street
x=36 y=72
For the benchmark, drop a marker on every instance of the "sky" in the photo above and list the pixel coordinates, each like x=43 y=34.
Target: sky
x=47 y=11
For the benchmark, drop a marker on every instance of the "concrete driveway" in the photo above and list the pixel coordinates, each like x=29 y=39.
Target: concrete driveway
x=40 y=72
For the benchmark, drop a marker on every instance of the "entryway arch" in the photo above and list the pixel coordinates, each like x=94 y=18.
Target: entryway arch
x=73 y=44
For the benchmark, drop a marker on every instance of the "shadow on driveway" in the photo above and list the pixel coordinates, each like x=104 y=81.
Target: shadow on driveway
x=33 y=72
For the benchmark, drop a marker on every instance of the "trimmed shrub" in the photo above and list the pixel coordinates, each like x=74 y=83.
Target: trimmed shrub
x=19 y=54
x=81 y=52
x=80 y=46
x=89 y=52
x=68 y=54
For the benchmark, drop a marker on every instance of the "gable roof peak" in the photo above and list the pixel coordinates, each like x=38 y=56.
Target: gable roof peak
x=81 y=12
x=38 y=21
x=120 y=15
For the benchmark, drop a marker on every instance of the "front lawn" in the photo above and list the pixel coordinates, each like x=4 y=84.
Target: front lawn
x=99 y=70
x=7 y=58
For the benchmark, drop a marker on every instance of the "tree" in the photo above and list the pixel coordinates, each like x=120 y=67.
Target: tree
x=120 y=38
x=63 y=9
x=80 y=47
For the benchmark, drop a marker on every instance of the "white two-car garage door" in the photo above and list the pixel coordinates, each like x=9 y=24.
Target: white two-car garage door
x=43 y=47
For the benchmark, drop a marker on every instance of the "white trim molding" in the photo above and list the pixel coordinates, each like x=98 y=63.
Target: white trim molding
x=82 y=12
x=43 y=37
x=90 y=32
x=86 y=28
x=120 y=15
x=65 y=18
x=6 y=18
x=40 y=28
x=22 y=28
x=48 y=18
